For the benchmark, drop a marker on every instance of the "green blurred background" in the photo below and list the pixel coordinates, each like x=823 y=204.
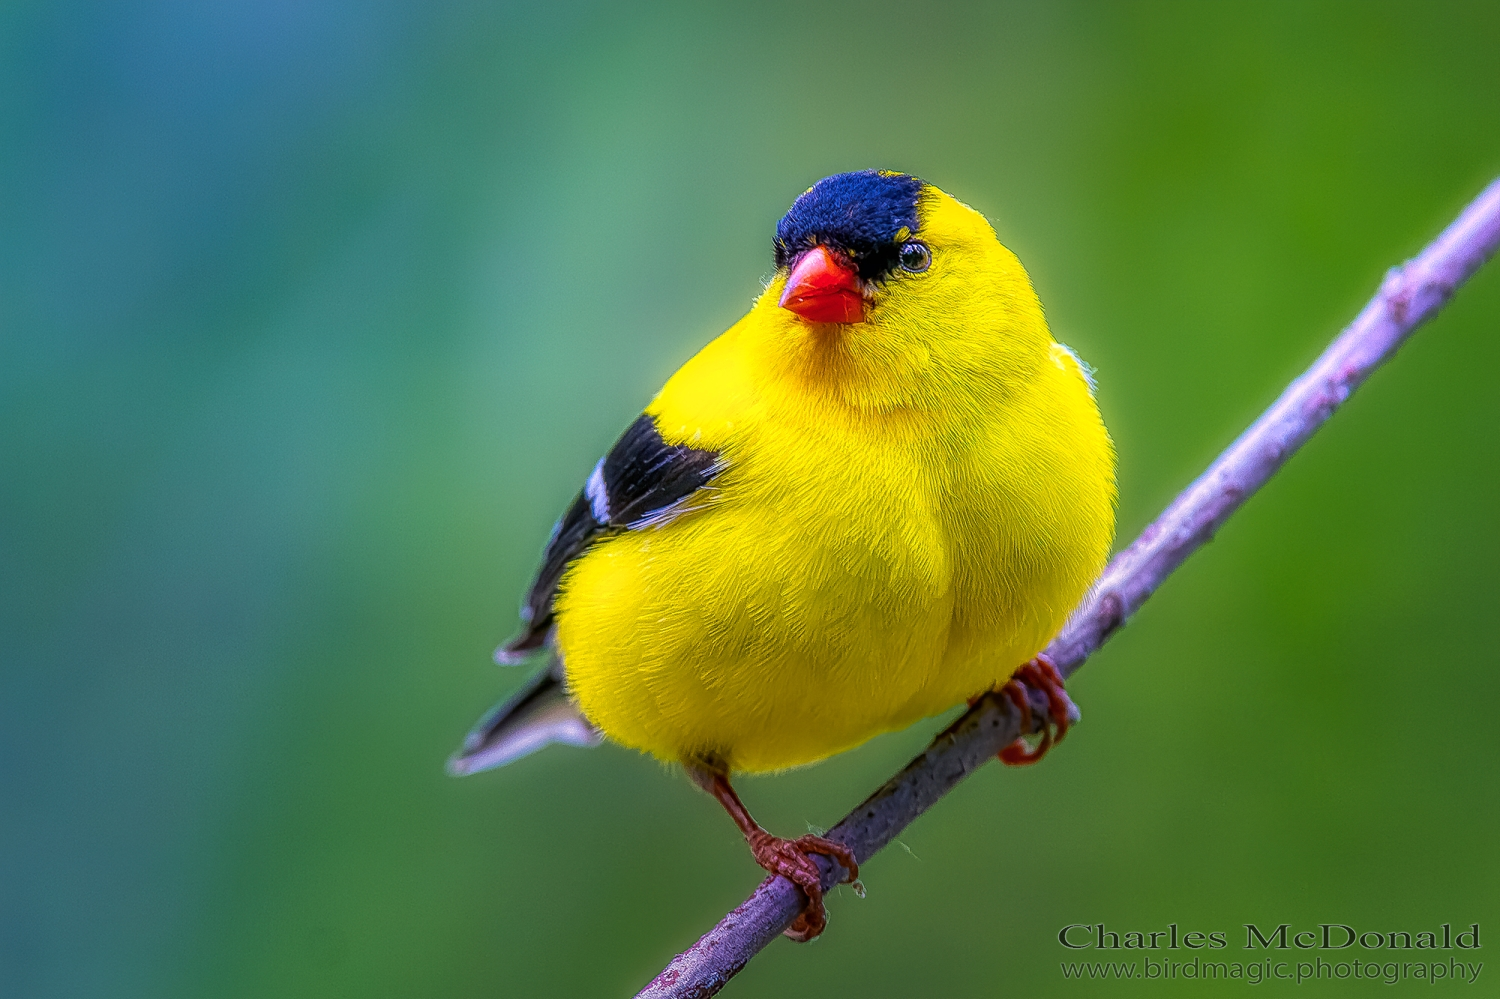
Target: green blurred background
x=314 y=314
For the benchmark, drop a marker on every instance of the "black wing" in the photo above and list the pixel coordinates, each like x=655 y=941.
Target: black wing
x=642 y=481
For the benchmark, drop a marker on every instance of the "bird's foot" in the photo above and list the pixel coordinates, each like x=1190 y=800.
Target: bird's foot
x=790 y=858
x=1040 y=675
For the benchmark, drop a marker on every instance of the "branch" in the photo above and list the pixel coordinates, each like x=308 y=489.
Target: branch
x=1409 y=296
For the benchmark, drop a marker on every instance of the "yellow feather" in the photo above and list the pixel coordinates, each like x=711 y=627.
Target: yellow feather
x=908 y=510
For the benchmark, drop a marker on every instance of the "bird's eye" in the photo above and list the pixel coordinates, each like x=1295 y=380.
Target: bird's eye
x=915 y=257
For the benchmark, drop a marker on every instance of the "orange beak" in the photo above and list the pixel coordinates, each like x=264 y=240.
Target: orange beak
x=824 y=289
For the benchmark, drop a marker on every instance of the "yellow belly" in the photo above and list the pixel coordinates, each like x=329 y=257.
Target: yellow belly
x=846 y=577
x=769 y=631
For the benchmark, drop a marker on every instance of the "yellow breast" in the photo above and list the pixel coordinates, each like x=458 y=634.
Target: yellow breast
x=847 y=574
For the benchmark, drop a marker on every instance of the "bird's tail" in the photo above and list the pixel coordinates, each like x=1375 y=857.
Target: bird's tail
x=538 y=714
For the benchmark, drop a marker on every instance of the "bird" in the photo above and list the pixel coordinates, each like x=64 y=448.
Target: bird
x=874 y=497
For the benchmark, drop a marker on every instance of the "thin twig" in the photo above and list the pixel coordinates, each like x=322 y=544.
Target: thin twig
x=1409 y=296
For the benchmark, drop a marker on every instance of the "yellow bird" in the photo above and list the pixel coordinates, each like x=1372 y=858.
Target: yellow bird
x=876 y=496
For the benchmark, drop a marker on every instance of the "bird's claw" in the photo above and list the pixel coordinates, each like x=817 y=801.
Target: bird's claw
x=1041 y=674
x=790 y=858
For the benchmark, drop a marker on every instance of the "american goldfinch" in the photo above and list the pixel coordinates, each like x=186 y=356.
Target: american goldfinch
x=874 y=497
